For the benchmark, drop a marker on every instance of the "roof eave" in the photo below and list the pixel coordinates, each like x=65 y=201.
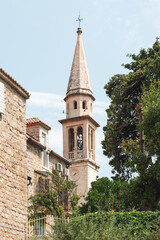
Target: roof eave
x=32 y=141
x=57 y=155
x=13 y=83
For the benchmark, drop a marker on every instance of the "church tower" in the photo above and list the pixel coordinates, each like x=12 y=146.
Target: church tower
x=79 y=126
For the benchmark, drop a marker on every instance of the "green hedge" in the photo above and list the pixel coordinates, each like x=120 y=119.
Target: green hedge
x=110 y=225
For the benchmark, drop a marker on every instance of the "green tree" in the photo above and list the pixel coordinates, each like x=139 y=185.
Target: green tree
x=107 y=195
x=151 y=117
x=125 y=91
x=147 y=162
x=54 y=200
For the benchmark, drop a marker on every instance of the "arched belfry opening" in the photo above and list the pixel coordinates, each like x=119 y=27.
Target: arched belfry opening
x=79 y=138
x=71 y=139
x=84 y=104
x=75 y=105
x=91 y=140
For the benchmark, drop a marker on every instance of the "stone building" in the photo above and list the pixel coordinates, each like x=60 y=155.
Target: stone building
x=79 y=127
x=40 y=158
x=13 y=162
x=25 y=158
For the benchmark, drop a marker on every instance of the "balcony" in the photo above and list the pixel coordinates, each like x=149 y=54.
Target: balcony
x=79 y=154
x=71 y=155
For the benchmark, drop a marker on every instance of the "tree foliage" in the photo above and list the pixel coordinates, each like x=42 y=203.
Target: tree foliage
x=151 y=117
x=125 y=91
x=56 y=199
x=107 y=195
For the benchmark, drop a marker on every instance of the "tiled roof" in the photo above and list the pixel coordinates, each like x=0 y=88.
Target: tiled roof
x=33 y=140
x=57 y=155
x=27 y=95
x=37 y=120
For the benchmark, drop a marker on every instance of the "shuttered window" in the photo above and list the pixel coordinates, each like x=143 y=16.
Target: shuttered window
x=45 y=159
x=2 y=105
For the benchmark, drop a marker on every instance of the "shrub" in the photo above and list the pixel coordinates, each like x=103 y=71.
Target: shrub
x=110 y=226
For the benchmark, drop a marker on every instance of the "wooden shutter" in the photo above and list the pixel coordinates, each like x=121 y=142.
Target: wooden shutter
x=41 y=183
x=2 y=105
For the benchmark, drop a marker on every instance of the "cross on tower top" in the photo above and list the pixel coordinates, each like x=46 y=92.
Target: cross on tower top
x=79 y=19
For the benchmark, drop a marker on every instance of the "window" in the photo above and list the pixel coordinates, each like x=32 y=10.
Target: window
x=2 y=104
x=67 y=108
x=75 y=105
x=80 y=138
x=71 y=139
x=91 y=139
x=42 y=184
x=39 y=226
x=84 y=105
x=45 y=159
x=43 y=139
x=91 y=106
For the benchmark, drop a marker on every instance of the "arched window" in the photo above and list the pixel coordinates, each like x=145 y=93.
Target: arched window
x=91 y=106
x=84 y=105
x=75 y=105
x=91 y=139
x=67 y=108
x=80 y=138
x=71 y=139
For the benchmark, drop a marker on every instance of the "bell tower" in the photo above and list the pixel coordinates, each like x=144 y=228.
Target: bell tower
x=79 y=127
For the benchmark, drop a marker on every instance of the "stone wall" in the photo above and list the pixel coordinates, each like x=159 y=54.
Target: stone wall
x=13 y=177
x=34 y=165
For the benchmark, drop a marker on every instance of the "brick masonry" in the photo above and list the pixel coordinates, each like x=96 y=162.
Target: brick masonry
x=33 y=130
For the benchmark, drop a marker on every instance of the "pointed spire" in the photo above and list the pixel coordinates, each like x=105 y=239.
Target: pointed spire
x=79 y=81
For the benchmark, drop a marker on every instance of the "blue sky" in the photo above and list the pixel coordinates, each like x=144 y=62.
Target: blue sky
x=37 y=44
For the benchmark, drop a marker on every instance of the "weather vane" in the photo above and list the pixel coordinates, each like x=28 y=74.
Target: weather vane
x=79 y=19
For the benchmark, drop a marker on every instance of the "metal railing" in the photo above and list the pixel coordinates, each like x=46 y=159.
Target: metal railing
x=36 y=228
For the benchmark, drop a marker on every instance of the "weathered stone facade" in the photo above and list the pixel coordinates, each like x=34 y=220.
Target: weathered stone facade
x=13 y=171
x=22 y=156
x=35 y=168
x=36 y=171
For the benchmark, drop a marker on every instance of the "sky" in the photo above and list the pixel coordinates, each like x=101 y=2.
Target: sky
x=37 y=43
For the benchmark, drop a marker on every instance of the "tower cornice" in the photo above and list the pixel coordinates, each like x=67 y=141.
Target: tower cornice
x=82 y=94
x=85 y=117
x=84 y=161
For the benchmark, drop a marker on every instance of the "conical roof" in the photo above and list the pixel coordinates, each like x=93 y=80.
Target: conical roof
x=79 y=81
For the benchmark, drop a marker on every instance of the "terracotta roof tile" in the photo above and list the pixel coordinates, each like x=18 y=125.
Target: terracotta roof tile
x=37 y=120
x=15 y=82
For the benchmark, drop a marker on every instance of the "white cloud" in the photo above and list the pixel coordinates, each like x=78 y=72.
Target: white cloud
x=48 y=100
x=48 y=107
x=100 y=107
x=55 y=101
